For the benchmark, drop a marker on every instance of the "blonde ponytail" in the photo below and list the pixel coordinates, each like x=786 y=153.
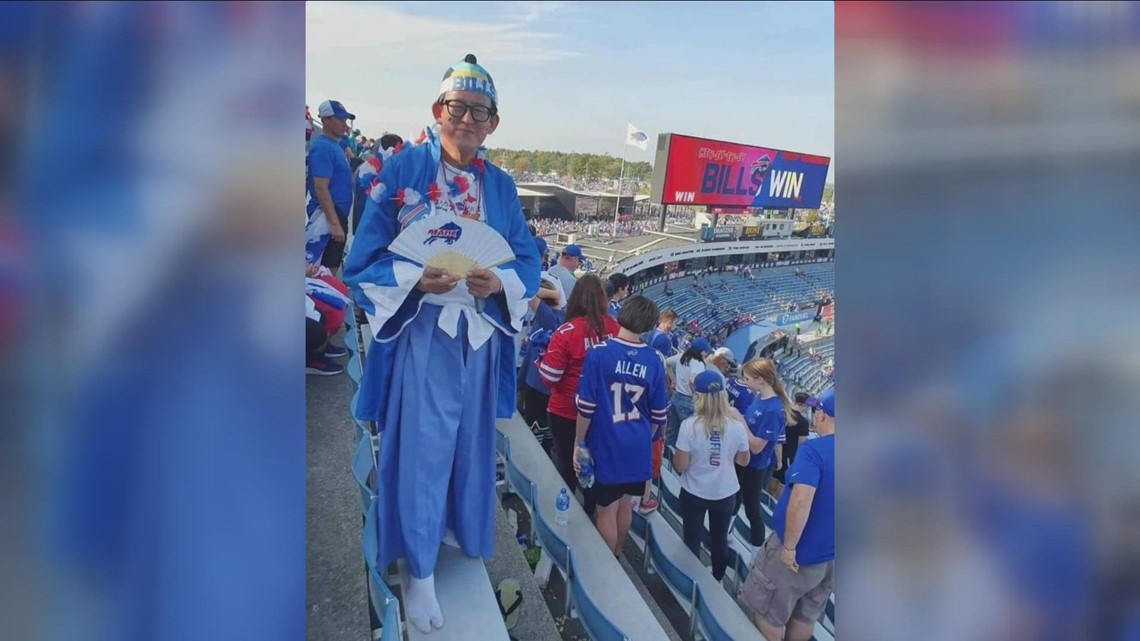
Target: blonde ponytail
x=712 y=410
x=789 y=413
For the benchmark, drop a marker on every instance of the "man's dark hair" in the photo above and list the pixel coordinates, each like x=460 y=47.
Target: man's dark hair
x=387 y=141
x=801 y=398
x=610 y=290
x=638 y=314
x=619 y=281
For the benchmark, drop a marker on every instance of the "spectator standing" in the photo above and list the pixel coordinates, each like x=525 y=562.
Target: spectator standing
x=793 y=575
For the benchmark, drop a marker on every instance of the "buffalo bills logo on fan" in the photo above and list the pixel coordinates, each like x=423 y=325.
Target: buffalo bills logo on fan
x=448 y=233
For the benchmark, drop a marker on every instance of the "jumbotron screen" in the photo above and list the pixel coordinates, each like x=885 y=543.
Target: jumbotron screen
x=700 y=171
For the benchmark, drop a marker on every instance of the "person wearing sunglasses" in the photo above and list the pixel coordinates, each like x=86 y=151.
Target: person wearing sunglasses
x=442 y=367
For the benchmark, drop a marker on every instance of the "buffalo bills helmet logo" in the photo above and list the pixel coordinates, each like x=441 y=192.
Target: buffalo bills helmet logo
x=448 y=233
x=761 y=165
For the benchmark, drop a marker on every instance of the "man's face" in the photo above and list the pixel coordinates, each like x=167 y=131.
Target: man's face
x=335 y=127
x=669 y=325
x=465 y=130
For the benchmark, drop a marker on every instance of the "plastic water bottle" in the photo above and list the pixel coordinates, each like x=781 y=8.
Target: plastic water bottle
x=562 y=515
x=585 y=467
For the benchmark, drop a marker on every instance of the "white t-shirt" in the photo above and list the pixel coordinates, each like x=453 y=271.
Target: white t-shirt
x=712 y=472
x=683 y=372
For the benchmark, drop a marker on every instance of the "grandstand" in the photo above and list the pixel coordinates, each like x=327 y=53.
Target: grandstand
x=551 y=200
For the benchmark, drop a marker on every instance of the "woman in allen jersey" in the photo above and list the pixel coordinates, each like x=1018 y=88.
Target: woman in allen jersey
x=587 y=324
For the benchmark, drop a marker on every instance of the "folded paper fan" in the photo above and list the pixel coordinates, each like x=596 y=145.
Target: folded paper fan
x=454 y=244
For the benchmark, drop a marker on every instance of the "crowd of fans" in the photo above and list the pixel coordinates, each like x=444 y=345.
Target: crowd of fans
x=679 y=394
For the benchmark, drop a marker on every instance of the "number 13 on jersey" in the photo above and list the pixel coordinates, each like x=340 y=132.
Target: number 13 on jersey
x=623 y=390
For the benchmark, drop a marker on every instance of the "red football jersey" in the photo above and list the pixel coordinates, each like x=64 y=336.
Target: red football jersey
x=562 y=364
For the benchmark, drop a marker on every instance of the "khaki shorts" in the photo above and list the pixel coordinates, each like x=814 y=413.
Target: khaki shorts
x=776 y=594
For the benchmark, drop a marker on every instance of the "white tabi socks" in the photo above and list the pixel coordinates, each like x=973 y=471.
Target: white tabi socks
x=421 y=605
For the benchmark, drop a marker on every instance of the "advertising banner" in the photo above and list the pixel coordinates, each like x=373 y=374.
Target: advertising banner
x=707 y=172
x=751 y=232
x=723 y=233
x=802 y=316
x=586 y=206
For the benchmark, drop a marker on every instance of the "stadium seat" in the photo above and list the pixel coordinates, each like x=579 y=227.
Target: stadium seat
x=684 y=574
x=525 y=489
x=603 y=576
x=355 y=371
x=384 y=603
x=363 y=464
x=679 y=583
x=361 y=426
x=555 y=548
x=707 y=628
x=597 y=624
x=502 y=444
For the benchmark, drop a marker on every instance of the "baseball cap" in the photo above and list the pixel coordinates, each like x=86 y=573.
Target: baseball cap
x=708 y=382
x=333 y=109
x=572 y=250
x=825 y=402
x=725 y=353
x=701 y=344
x=553 y=280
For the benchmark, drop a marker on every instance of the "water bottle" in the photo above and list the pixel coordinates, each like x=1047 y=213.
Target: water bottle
x=586 y=467
x=562 y=515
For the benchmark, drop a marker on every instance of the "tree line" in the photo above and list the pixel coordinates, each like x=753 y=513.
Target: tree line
x=575 y=165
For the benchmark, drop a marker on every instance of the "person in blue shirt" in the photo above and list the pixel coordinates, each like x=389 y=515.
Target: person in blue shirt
x=622 y=408
x=739 y=396
x=617 y=288
x=661 y=338
x=767 y=418
x=793 y=576
x=328 y=183
x=549 y=314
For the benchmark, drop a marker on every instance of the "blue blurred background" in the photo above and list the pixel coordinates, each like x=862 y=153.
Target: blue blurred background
x=153 y=444
x=987 y=268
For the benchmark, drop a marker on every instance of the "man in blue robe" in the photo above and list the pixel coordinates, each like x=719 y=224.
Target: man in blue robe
x=442 y=367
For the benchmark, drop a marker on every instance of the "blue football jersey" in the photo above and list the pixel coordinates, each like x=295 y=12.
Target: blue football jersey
x=622 y=391
x=739 y=395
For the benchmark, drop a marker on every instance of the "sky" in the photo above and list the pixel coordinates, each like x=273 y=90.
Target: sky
x=570 y=76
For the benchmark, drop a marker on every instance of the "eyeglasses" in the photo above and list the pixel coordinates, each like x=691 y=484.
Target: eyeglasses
x=458 y=109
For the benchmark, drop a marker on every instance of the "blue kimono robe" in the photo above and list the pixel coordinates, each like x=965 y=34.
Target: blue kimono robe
x=438 y=374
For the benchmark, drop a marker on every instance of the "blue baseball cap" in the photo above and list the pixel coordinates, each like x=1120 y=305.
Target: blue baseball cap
x=540 y=242
x=825 y=402
x=572 y=250
x=708 y=382
x=333 y=109
x=702 y=344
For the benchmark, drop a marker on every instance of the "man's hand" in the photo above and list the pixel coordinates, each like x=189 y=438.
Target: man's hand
x=337 y=233
x=436 y=281
x=789 y=558
x=483 y=283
